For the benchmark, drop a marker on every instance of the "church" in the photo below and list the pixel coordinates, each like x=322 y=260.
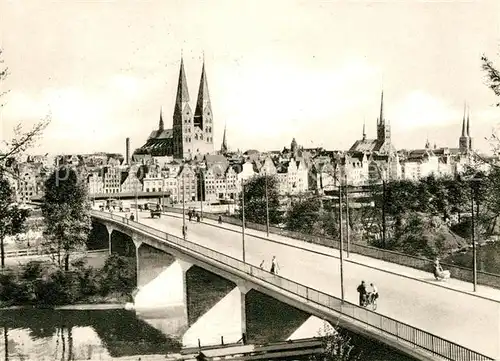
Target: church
x=191 y=134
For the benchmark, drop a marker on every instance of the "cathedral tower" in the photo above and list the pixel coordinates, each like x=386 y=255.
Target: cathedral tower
x=383 y=126
x=203 y=131
x=182 y=119
x=464 y=142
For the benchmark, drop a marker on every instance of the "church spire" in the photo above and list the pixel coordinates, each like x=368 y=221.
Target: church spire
x=161 y=126
x=468 y=122
x=381 y=119
x=223 y=147
x=463 y=122
x=364 y=130
x=203 y=98
x=182 y=89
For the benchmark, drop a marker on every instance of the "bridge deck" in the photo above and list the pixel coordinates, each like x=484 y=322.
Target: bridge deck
x=465 y=319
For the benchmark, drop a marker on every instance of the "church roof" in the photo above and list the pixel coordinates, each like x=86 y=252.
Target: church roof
x=365 y=145
x=157 y=147
x=157 y=134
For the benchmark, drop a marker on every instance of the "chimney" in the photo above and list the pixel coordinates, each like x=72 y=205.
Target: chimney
x=127 y=151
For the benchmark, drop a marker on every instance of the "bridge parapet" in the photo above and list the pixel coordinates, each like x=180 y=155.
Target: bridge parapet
x=414 y=341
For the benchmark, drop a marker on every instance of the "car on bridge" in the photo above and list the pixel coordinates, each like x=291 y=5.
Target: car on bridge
x=155 y=212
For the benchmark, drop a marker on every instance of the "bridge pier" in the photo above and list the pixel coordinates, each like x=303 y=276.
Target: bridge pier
x=110 y=230
x=224 y=323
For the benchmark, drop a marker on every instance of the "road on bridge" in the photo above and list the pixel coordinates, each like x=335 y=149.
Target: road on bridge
x=465 y=319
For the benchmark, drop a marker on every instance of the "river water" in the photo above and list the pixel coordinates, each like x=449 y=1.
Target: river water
x=36 y=334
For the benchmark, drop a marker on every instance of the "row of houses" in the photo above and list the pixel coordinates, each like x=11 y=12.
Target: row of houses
x=217 y=177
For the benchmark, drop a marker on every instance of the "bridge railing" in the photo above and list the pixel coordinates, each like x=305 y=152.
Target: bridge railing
x=421 y=263
x=400 y=331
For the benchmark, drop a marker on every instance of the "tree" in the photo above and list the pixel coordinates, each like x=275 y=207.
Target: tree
x=22 y=140
x=65 y=209
x=492 y=76
x=255 y=199
x=12 y=218
x=336 y=346
x=303 y=215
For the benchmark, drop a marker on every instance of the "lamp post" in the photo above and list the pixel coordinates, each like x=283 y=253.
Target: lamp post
x=341 y=249
x=473 y=233
x=136 y=206
x=267 y=208
x=183 y=208
x=243 y=218
x=202 y=192
x=347 y=231
x=474 y=260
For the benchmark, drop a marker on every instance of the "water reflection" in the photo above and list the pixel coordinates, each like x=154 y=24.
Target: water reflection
x=35 y=334
x=75 y=335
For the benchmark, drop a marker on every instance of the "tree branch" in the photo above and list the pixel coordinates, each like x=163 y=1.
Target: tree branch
x=493 y=76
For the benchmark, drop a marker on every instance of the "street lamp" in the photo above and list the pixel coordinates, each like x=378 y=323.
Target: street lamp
x=136 y=206
x=347 y=231
x=267 y=208
x=383 y=175
x=183 y=208
x=473 y=231
x=243 y=218
x=341 y=248
x=202 y=192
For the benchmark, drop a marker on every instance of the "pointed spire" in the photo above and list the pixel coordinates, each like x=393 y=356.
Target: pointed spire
x=223 y=147
x=468 y=122
x=161 y=126
x=381 y=119
x=463 y=122
x=364 y=129
x=203 y=95
x=182 y=89
x=203 y=99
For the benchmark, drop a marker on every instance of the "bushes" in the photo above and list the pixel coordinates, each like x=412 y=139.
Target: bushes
x=44 y=285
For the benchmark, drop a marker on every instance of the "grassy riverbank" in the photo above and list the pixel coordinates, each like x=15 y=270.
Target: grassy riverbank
x=41 y=284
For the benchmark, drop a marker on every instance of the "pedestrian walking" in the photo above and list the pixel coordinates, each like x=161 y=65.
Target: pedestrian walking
x=274 y=265
x=132 y=216
x=362 y=293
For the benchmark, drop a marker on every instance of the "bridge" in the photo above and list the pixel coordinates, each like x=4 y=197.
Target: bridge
x=415 y=315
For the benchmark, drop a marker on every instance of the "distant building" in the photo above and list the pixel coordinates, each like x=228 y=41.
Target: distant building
x=382 y=144
x=192 y=132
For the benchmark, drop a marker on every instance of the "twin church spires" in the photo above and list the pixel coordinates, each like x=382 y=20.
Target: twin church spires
x=465 y=140
x=192 y=133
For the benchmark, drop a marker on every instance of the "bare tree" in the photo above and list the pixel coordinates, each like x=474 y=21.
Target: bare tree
x=22 y=139
x=492 y=76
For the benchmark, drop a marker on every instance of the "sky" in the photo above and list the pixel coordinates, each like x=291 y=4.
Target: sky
x=313 y=70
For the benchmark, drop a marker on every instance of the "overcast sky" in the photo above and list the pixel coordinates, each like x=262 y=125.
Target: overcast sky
x=312 y=70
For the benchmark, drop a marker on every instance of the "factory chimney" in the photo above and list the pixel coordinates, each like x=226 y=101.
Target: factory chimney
x=127 y=151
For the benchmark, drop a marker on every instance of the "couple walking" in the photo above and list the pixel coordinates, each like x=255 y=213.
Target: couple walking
x=274 y=265
x=367 y=295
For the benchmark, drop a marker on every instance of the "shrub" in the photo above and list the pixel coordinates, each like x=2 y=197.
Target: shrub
x=118 y=275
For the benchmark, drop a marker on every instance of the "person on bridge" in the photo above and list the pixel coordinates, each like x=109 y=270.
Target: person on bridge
x=362 y=293
x=220 y=219
x=184 y=231
x=132 y=216
x=190 y=215
x=373 y=295
x=274 y=266
x=198 y=217
x=439 y=273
